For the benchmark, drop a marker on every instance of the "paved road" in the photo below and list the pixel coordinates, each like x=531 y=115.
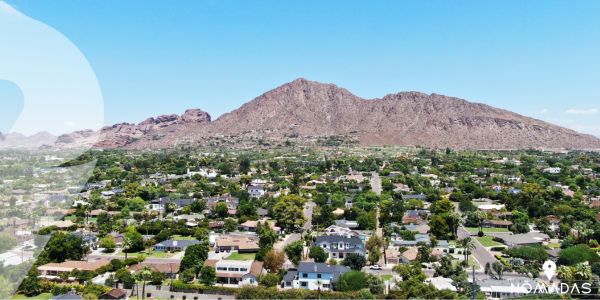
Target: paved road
x=481 y=254
x=376 y=187
x=308 y=211
x=376 y=183
x=286 y=241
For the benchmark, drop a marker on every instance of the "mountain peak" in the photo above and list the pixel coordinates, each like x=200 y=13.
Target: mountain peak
x=309 y=110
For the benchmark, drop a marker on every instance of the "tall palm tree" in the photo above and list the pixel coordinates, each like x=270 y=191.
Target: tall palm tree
x=144 y=275
x=467 y=244
x=127 y=244
x=580 y=227
x=455 y=220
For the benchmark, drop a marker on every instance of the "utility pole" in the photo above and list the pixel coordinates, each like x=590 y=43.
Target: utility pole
x=474 y=285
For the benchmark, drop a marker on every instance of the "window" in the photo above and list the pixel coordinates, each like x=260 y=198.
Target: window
x=243 y=269
x=234 y=269
x=303 y=284
x=304 y=275
x=318 y=275
x=326 y=285
x=221 y=269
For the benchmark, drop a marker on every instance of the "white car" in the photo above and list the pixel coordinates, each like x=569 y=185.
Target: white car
x=375 y=267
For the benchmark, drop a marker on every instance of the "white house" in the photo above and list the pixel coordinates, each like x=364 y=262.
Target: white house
x=552 y=170
x=313 y=276
x=236 y=273
x=256 y=190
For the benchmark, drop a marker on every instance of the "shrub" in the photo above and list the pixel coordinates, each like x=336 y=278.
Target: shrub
x=269 y=280
x=531 y=253
x=352 y=281
x=577 y=254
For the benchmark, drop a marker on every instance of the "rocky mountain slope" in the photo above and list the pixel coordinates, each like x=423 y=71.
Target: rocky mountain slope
x=304 y=108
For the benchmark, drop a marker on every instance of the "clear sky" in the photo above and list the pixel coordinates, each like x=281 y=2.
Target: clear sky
x=537 y=58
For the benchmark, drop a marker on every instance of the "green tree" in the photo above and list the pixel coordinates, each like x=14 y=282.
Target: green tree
x=318 y=254
x=289 y=212
x=221 y=210
x=65 y=246
x=577 y=254
x=108 y=243
x=294 y=251
x=230 y=225
x=135 y=241
x=208 y=275
x=354 y=261
x=352 y=281
x=194 y=257
x=187 y=275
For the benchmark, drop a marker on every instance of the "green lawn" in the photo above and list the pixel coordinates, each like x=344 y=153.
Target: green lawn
x=43 y=296
x=160 y=254
x=386 y=277
x=488 y=241
x=486 y=229
x=241 y=256
x=183 y=238
x=472 y=262
x=554 y=245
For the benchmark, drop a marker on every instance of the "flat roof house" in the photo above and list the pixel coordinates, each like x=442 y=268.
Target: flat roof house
x=236 y=272
x=242 y=244
x=53 y=271
x=524 y=239
x=313 y=276
x=169 y=269
x=340 y=246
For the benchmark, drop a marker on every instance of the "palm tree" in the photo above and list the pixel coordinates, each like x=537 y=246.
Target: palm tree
x=455 y=220
x=144 y=275
x=127 y=244
x=480 y=215
x=579 y=226
x=467 y=244
x=498 y=268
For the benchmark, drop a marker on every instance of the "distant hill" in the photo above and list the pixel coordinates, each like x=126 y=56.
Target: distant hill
x=304 y=108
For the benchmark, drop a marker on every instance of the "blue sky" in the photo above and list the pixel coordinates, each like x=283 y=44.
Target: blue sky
x=537 y=58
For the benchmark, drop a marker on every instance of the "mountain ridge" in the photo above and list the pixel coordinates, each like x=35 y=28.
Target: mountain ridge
x=304 y=109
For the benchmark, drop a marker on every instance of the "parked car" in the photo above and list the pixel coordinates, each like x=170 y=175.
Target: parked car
x=375 y=267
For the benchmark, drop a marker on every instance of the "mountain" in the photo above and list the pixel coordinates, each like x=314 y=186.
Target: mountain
x=125 y=134
x=20 y=141
x=308 y=109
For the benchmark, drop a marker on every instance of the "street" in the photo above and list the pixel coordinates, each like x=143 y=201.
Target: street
x=482 y=255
